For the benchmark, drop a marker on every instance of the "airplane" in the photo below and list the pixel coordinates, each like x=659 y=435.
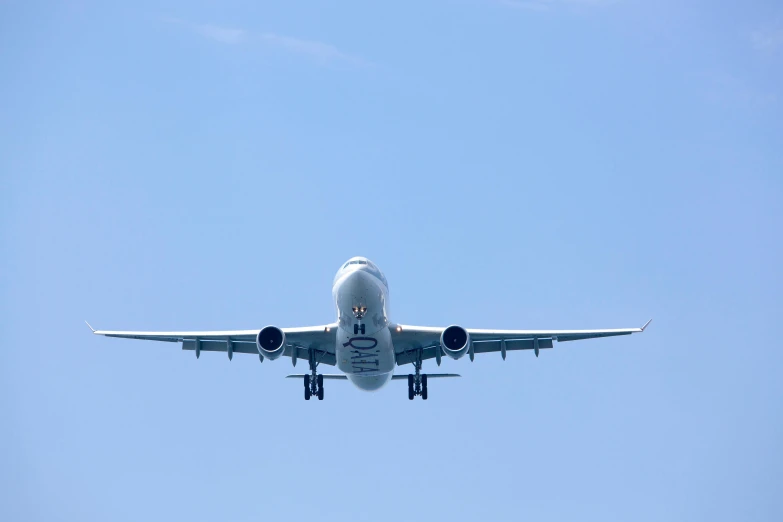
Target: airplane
x=364 y=344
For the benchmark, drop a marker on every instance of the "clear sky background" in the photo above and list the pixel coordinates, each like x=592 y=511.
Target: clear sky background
x=509 y=164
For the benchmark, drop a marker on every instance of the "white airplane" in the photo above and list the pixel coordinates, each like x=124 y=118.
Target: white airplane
x=364 y=343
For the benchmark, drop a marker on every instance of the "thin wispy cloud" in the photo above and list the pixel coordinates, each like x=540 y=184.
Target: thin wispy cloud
x=323 y=52
x=548 y=5
x=319 y=51
x=226 y=35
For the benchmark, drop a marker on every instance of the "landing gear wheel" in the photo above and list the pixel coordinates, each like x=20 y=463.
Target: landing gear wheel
x=307 y=394
x=417 y=383
x=319 y=381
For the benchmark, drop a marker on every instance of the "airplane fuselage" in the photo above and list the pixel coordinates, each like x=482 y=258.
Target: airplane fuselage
x=364 y=349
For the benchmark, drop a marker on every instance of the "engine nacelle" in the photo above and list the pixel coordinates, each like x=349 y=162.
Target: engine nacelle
x=455 y=341
x=270 y=342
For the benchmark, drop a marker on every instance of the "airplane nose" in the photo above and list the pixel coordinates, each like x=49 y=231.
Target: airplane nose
x=357 y=293
x=360 y=286
x=358 y=281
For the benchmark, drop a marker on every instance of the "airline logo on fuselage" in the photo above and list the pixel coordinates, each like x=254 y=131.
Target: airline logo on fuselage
x=364 y=354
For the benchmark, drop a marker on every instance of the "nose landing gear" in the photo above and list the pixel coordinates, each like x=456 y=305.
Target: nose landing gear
x=417 y=383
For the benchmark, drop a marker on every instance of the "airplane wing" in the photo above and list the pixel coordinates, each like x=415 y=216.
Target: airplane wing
x=408 y=340
x=298 y=341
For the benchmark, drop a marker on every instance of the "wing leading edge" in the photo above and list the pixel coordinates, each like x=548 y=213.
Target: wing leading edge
x=299 y=341
x=408 y=340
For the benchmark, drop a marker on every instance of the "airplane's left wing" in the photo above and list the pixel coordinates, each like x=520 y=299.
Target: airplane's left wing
x=423 y=342
x=299 y=341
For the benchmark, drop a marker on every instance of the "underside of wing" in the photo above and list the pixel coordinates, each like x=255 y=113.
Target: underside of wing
x=299 y=342
x=413 y=343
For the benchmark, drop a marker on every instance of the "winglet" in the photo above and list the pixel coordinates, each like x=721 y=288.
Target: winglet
x=645 y=324
x=90 y=327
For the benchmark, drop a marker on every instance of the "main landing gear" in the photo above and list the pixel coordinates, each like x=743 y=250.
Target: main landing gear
x=417 y=383
x=313 y=383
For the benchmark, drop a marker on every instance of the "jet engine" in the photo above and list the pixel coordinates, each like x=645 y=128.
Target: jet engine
x=455 y=341
x=270 y=342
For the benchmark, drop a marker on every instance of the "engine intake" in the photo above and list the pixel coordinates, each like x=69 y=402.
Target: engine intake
x=455 y=341
x=270 y=342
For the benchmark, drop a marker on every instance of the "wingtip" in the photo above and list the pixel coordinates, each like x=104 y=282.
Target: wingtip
x=90 y=327
x=645 y=324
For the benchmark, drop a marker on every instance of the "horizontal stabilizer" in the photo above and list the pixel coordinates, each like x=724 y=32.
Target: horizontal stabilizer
x=394 y=377
x=325 y=376
x=429 y=376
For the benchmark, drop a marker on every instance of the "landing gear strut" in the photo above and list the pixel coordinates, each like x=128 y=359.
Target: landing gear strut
x=313 y=383
x=417 y=383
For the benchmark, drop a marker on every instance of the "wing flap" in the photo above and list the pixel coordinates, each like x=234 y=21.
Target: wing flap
x=409 y=356
x=593 y=335
x=221 y=346
x=511 y=344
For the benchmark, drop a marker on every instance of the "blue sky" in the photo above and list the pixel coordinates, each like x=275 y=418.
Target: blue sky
x=509 y=164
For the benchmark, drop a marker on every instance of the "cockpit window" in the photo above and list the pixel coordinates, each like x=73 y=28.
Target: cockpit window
x=357 y=263
x=370 y=267
x=346 y=265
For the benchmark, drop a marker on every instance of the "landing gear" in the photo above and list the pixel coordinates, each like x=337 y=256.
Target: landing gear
x=320 y=381
x=314 y=382
x=417 y=383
